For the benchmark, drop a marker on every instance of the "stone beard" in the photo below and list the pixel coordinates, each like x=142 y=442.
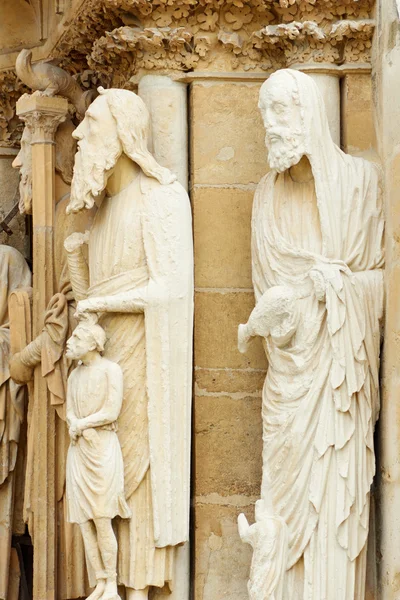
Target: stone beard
x=132 y=279
x=319 y=240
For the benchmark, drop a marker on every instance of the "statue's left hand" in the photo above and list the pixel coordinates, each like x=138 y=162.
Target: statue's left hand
x=84 y=306
x=19 y=372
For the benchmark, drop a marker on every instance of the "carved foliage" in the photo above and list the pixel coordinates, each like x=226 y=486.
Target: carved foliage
x=246 y=34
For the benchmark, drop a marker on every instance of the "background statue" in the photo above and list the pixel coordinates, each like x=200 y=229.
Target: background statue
x=14 y=274
x=95 y=469
x=317 y=258
x=48 y=349
x=140 y=276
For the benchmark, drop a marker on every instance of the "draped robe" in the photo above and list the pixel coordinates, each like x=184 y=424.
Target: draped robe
x=14 y=273
x=321 y=394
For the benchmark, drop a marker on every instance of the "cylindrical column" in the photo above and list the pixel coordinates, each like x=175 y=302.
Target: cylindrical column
x=329 y=86
x=167 y=103
x=42 y=114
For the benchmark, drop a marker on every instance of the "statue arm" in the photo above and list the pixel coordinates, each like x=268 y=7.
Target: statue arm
x=125 y=302
x=77 y=265
x=112 y=406
x=22 y=363
x=244 y=528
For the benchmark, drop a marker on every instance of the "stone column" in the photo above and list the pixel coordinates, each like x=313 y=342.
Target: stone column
x=167 y=102
x=329 y=86
x=42 y=114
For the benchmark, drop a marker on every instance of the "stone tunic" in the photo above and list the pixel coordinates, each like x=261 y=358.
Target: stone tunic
x=95 y=470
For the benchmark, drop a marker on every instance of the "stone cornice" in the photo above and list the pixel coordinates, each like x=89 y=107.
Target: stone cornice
x=113 y=42
x=252 y=35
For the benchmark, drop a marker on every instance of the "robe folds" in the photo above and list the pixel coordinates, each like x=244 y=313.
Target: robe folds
x=14 y=274
x=141 y=242
x=321 y=394
x=95 y=470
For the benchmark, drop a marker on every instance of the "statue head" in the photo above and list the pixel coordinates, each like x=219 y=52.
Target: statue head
x=116 y=122
x=282 y=113
x=64 y=161
x=23 y=162
x=87 y=337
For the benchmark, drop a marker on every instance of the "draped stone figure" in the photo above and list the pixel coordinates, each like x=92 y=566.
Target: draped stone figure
x=48 y=350
x=14 y=274
x=139 y=275
x=317 y=257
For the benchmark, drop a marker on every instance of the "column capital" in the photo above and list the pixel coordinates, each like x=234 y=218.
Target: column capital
x=42 y=115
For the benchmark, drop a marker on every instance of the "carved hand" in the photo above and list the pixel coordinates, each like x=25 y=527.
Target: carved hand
x=84 y=306
x=75 y=240
x=74 y=430
x=19 y=372
x=243 y=524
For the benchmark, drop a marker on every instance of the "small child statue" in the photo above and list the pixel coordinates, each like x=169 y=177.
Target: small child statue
x=269 y=540
x=95 y=470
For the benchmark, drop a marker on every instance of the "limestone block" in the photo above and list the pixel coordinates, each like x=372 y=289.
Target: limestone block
x=227 y=427
x=229 y=381
x=222 y=228
x=235 y=152
x=358 y=132
x=217 y=316
x=222 y=562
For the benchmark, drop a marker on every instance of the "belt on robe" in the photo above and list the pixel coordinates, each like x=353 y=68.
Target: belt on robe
x=123 y=282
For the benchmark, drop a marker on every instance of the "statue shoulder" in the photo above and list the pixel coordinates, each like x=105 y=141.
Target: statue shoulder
x=152 y=187
x=266 y=180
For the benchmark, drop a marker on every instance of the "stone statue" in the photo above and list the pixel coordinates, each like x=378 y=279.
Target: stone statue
x=317 y=257
x=48 y=349
x=14 y=274
x=139 y=275
x=95 y=470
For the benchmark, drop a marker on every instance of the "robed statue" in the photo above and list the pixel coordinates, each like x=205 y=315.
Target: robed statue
x=317 y=260
x=14 y=275
x=139 y=277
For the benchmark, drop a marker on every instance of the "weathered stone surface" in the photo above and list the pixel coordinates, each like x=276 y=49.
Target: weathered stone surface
x=227 y=427
x=217 y=316
x=358 y=132
x=235 y=152
x=229 y=381
x=222 y=219
x=222 y=561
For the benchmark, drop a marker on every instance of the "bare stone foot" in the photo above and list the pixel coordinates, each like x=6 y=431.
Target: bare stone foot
x=98 y=590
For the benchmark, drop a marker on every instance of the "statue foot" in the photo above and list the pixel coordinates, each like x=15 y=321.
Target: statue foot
x=98 y=590
x=111 y=591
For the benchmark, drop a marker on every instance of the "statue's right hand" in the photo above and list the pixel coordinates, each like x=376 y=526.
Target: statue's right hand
x=75 y=240
x=19 y=372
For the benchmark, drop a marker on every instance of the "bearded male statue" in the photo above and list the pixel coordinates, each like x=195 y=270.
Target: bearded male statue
x=317 y=258
x=139 y=277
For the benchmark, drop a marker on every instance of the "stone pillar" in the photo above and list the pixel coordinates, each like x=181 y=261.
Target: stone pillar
x=42 y=114
x=167 y=102
x=329 y=86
